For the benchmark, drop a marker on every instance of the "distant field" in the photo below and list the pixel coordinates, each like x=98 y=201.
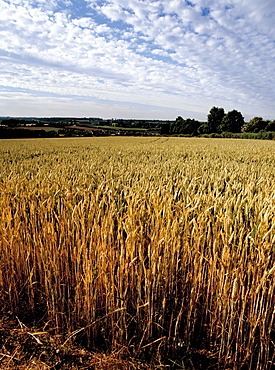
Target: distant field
x=157 y=248
x=46 y=128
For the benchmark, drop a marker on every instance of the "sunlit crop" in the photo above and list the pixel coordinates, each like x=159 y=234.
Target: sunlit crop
x=161 y=246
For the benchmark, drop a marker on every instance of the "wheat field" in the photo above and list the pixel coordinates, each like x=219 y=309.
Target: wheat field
x=162 y=246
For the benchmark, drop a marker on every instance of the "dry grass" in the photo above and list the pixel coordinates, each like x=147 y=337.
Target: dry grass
x=156 y=249
x=25 y=349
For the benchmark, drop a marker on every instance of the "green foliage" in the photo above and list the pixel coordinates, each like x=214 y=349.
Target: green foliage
x=214 y=119
x=256 y=124
x=262 y=135
x=185 y=126
x=165 y=129
x=221 y=124
x=233 y=121
x=9 y=133
x=203 y=129
x=270 y=126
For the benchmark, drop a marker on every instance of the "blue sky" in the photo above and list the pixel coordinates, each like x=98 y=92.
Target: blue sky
x=137 y=58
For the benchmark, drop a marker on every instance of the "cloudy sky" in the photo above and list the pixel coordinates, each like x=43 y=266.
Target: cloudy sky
x=137 y=58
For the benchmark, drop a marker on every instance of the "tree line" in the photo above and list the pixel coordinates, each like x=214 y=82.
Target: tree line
x=218 y=122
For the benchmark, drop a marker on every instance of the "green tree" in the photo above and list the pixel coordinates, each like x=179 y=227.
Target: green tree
x=185 y=126
x=256 y=124
x=191 y=127
x=203 y=129
x=270 y=126
x=177 y=125
x=12 y=122
x=233 y=121
x=165 y=129
x=214 y=119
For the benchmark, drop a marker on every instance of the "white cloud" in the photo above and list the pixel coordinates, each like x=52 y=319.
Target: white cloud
x=160 y=53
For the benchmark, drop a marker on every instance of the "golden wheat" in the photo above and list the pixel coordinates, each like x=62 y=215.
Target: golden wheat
x=160 y=245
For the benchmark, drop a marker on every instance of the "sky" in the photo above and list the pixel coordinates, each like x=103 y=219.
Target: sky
x=139 y=59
